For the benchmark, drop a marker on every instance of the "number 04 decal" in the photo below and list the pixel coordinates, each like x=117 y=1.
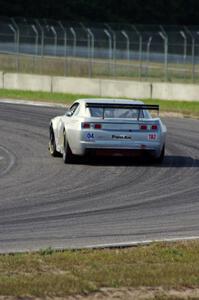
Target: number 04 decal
x=90 y=136
x=152 y=136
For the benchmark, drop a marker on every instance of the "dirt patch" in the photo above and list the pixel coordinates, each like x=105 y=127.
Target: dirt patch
x=125 y=294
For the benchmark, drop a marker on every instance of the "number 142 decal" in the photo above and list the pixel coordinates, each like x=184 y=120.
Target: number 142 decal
x=152 y=136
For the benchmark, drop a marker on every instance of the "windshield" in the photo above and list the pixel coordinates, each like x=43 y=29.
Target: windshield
x=116 y=113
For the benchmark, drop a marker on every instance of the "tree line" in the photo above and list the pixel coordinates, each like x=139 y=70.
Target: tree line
x=182 y=12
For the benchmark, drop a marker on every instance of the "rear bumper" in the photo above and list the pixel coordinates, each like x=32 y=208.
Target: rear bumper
x=118 y=147
x=120 y=152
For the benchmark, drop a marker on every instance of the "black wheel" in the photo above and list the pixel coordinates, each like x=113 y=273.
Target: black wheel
x=67 y=153
x=160 y=159
x=52 y=144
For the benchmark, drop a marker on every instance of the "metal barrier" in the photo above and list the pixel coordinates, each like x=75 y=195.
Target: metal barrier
x=140 y=52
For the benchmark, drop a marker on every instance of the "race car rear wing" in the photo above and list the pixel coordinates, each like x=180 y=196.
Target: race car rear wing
x=128 y=106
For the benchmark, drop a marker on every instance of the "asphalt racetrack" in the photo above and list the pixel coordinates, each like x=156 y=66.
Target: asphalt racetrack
x=95 y=202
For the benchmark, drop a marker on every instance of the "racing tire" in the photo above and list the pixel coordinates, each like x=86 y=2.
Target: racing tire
x=52 y=144
x=68 y=156
x=159 y=159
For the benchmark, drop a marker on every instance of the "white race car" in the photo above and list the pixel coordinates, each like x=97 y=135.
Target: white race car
x=107 y=127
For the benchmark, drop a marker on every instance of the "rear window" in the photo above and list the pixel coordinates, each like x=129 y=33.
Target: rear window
x=116 y=113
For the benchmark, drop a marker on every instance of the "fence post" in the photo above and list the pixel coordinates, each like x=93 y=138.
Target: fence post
x=148 y=54
x=92 y=49
x=16 y=29
x=74 y=40
x=165 y=39
x=110 y=47
x=114 y=52
x=110 y=43
x=193 y=58
x=42 y=45
x=185 y=49
x=127 y=44
x=65 y=46
x=15 y=41
x=89 y=64
x=113 y=36
x=192 y=53
x=55 y=38
x=140 y=51
x=36 y=44
x=36 y=38
x=89 y=53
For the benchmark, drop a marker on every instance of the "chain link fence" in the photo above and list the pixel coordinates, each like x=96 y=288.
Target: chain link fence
x=140 y=52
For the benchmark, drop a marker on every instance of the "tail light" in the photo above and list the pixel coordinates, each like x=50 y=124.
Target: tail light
x=91 y=125
x=86 y=125
x=154 y=127
x=151 y=127
x=143 y=127
x=97 y=126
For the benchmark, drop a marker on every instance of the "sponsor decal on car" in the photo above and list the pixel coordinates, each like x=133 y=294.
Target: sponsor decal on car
x=121 y=137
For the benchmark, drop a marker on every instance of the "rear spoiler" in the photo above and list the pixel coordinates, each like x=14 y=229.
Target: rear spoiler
x=129 y=106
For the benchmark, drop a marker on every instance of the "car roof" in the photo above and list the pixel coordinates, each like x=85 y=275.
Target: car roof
x=108 y=100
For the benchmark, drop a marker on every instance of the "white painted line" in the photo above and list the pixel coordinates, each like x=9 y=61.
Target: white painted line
x=142 y=242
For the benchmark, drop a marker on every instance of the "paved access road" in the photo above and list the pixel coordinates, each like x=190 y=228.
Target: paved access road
x=46 y=203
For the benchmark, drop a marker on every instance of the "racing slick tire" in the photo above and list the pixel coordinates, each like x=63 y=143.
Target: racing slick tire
x=52 y=144
x=159 y=159
x=68 y=156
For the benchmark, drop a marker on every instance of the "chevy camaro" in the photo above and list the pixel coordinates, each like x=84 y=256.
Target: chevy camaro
x=114 y=127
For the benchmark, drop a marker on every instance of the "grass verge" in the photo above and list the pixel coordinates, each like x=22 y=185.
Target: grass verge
x=186 y=108
x=58 y=274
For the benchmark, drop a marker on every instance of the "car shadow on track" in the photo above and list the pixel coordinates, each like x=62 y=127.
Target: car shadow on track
x=177 y=161
x=170 y=161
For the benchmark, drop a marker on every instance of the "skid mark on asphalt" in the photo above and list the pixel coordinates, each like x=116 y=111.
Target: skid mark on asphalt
x=9 y=161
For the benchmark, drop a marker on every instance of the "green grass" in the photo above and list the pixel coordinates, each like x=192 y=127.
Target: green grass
x=50 y=273
x=39 y=96
x=186 y=108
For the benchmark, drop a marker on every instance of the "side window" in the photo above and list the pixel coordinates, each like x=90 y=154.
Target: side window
x=73 y=108
x=77 y=111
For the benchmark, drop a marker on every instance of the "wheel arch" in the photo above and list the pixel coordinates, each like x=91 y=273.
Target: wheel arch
x=65 y=132
x=52 y=124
